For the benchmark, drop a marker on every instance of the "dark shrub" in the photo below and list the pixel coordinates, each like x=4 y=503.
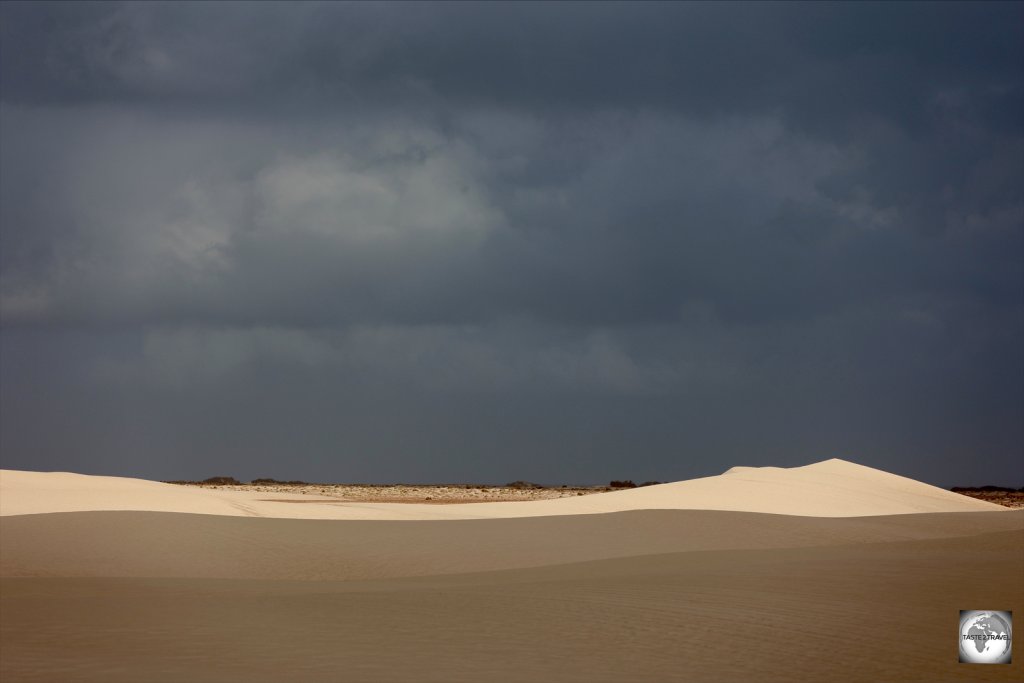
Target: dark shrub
x=523 y=485
x=221 y=480
x=627 y=484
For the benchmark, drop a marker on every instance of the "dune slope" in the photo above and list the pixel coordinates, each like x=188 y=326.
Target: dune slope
x=156 y=544
x=864 y=612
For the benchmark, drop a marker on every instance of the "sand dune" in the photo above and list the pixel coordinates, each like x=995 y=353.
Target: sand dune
x=832 y=488
x=827 y=572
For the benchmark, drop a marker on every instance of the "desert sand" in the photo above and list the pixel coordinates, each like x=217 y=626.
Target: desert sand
x=832 y=488
x=751 y=575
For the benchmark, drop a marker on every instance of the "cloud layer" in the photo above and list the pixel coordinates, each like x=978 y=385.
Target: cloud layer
x=561 y=242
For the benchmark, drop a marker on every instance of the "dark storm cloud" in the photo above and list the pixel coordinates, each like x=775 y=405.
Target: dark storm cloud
x=513 y=238
x=829 y=61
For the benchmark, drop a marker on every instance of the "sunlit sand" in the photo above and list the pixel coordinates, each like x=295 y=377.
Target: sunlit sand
x=832 y=488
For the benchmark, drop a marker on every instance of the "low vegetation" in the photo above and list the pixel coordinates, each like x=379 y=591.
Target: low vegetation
x=212 y=481
x=519 y=484
x=987 y=489
x=1000 y=495
x=515 y=490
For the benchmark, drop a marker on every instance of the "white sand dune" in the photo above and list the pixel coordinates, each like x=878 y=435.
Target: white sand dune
x=831 y=488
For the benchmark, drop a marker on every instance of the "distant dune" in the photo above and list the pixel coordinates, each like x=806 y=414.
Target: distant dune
x=832 y=488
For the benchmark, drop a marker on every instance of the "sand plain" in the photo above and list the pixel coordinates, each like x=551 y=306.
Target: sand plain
x=643 y=594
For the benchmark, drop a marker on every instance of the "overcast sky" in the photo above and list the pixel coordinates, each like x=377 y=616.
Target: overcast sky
x=482 y=242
